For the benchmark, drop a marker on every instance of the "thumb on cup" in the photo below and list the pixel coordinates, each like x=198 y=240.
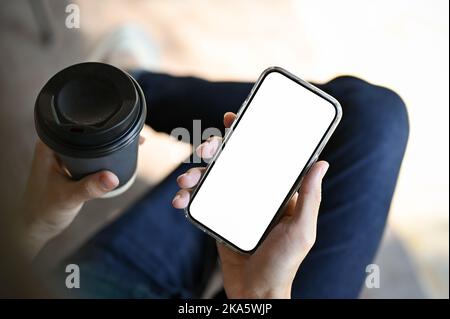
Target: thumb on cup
x=94 y=186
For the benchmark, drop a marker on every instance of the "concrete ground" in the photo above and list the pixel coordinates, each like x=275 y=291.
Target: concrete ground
x=401 y=44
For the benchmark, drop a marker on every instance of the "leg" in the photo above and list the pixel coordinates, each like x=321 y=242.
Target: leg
x=177 y=101
x=365 y=154
x=350 y=224
x=152 y=250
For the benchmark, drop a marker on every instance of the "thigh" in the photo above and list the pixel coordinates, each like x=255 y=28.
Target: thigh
x=365 y=154
x=175 y=102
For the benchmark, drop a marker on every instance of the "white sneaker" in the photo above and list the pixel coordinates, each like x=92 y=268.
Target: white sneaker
x=128 y=47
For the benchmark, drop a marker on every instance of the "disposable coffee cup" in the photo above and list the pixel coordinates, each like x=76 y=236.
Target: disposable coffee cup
x=91 y=115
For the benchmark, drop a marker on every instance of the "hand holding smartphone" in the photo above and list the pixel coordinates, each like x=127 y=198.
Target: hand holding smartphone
x=278 y=134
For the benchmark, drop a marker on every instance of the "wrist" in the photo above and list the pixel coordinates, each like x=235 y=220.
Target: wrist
x=37 y=234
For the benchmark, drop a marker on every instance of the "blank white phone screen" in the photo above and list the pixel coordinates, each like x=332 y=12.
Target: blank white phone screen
x=262 y=159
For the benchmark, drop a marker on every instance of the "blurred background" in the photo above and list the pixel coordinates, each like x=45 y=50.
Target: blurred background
x=401 y=44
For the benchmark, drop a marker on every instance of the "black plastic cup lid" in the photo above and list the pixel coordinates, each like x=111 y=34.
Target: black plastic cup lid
x=88 y=109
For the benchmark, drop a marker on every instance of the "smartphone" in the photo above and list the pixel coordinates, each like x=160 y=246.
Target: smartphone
x=278 y=134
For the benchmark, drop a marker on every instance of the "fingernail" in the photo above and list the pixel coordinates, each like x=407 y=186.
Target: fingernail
x=199 y=150
x=324 y=170
x=108 y=181
x=177 y=197
x=180 y=177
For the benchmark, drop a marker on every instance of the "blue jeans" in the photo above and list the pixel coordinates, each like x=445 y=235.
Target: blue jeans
x=153 y=251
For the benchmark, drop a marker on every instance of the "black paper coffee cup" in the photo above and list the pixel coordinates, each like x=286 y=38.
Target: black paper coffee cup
x=91 y=115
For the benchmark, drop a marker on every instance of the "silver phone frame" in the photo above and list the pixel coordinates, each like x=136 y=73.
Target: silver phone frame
x=313 y=158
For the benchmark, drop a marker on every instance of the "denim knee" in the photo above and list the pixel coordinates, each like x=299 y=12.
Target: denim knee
x=375 y=114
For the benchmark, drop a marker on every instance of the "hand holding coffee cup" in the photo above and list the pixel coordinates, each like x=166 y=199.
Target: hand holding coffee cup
x=90 y=115
x=52 y=200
